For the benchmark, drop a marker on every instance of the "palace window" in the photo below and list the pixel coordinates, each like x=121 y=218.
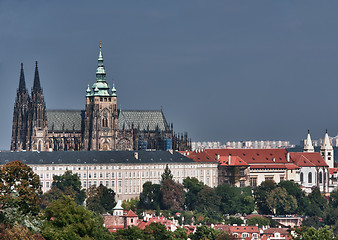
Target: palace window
x=301 y=177
x=310 y=177
x=253 y=182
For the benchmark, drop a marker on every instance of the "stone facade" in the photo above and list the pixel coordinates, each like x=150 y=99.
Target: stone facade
x=101 y=126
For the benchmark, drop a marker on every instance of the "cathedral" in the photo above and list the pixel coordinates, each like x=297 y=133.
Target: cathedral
x=101 y=126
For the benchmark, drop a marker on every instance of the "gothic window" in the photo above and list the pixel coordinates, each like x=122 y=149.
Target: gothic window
x=320 y=177
x=301 y=177
x=105 y=122
x=310 y=177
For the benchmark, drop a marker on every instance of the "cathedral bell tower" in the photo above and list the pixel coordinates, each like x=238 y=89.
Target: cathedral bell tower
x=101 y=117
x=20 y=116
x=38 y=130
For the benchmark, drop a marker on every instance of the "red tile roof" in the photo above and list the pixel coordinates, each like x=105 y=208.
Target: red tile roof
x=308 y=159
x=244 y=229
x=199 y=156
x=253 y=156
x=333 y=170
x=130 y=214
x=234 y=161
x=274 y=166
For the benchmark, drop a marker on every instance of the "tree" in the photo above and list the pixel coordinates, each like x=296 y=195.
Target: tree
x=18 y=232
x=258 y=220
x=130 y=204
x=19 y=188
x=166 y=174
x=157 y=231
x=100 y=199
x=151 y=196
x=193 y=187
x=294 y=190
x=181 y=234
x=280 y=202
x=207 y=199
x=235 y=200
x=261 y=194
x=204 y=232
x=68 y=184
x=312 y=222
x=131 y=233
x=318 y=203
x=67 y=220
x=306 y=233
x=172 y=194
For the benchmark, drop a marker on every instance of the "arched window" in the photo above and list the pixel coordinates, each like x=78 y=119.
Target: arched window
x=320 y=177
x=104 y=122
x=301 y=177
x=310 y=177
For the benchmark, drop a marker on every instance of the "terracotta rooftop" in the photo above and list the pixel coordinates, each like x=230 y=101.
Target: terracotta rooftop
x=308 y=159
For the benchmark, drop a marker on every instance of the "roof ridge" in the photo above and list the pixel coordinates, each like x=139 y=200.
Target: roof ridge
x=65 y=110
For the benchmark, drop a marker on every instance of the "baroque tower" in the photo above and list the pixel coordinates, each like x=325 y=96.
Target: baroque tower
x=101 y=116
x=326 y=150
x=38 y=117
x=20 y=116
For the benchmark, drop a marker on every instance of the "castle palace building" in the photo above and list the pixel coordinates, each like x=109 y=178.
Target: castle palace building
x=100 y=127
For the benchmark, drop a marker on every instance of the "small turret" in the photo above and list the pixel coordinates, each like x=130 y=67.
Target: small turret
x=88 y=91
x=113 y=90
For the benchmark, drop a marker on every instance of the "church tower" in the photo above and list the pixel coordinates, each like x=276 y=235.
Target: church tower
x=20 y=116
x=101 y=116
x=326 y=150
x=308 y=147
x=37 y=131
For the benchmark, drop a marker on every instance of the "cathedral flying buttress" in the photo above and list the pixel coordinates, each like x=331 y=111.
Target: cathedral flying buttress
x=100 y=127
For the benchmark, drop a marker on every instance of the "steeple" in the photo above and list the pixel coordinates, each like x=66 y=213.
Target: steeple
x=326 y=150
x=308 y=147
x=22 y=83
x=101 y=87
x=36 y=85
x=326 y=143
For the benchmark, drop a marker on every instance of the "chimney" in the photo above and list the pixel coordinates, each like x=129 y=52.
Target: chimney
x=136 y=155
x=229 y=161
x=288 y=157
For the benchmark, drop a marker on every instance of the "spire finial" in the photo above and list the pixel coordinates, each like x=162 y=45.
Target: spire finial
x=100 y=44
x=308 y=131
x=325 y=130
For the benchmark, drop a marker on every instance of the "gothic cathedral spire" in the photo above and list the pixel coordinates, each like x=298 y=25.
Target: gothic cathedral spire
x=36 y=85
x=20 y=126
x=38 y=116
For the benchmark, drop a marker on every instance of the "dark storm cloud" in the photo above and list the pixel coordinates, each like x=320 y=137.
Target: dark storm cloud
x=222 y=70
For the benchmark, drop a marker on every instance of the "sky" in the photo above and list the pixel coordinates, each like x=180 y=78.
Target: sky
x=220 y=70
